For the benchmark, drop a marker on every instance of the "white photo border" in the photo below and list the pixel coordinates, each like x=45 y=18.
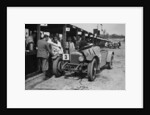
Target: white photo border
x=18 y=97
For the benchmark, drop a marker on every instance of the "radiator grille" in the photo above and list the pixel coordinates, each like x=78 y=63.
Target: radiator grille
x=74 y=58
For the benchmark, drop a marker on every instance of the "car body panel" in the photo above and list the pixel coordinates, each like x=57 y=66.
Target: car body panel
x=103 y=57
x=92 y=52
x=109 y=55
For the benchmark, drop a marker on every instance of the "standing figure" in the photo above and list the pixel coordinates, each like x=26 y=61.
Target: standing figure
x=30 y=43
x=71 y=45
x=43 y=53
x=77 y=42
x=56 y=45
x=83 y=43
x=119 y=44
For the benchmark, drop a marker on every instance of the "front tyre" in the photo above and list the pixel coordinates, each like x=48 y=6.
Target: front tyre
x=92 y=68
x=57 y=67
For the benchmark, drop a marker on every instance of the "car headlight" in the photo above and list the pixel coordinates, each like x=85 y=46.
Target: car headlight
x=81 y=58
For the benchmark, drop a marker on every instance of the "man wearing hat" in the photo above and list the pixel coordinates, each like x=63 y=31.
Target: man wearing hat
x=43 y=53
x=82 y=42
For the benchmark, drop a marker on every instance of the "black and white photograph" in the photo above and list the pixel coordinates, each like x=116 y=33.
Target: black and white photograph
x=75 y=56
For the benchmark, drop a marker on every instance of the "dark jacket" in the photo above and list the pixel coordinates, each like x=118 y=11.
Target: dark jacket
x=82 y=44
x=43 y=49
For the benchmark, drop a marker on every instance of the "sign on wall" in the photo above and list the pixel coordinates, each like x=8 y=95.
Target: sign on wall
x=67 y=29
x=79 y=33
x=86 y=34
x=91 y=35
x=44 y=24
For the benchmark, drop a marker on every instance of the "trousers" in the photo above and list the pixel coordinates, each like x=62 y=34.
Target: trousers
x=44 y=64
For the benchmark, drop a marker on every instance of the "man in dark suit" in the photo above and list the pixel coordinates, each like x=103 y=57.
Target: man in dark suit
x=43 y=53
x=82 y=43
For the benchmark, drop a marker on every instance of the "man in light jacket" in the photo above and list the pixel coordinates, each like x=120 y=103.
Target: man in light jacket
x=43 y=53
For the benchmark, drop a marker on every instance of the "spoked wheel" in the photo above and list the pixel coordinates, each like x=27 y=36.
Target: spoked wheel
x=92 y=69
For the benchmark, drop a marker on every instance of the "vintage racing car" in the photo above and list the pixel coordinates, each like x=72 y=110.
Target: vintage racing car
x=88 y=60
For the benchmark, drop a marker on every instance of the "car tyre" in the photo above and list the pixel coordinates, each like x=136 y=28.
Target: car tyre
x=92 y=69
x=57 y=67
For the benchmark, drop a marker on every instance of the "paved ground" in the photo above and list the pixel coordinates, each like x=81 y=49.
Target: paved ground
x=106 y=80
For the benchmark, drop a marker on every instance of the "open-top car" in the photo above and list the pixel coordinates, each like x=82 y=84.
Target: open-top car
x=89 y=59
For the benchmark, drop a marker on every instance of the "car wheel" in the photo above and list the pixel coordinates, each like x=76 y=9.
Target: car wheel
x=57 y=67
x=92 y=68
x=110 y=64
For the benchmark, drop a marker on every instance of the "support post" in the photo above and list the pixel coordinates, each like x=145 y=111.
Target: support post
x=64 y=38
x=38 y=38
